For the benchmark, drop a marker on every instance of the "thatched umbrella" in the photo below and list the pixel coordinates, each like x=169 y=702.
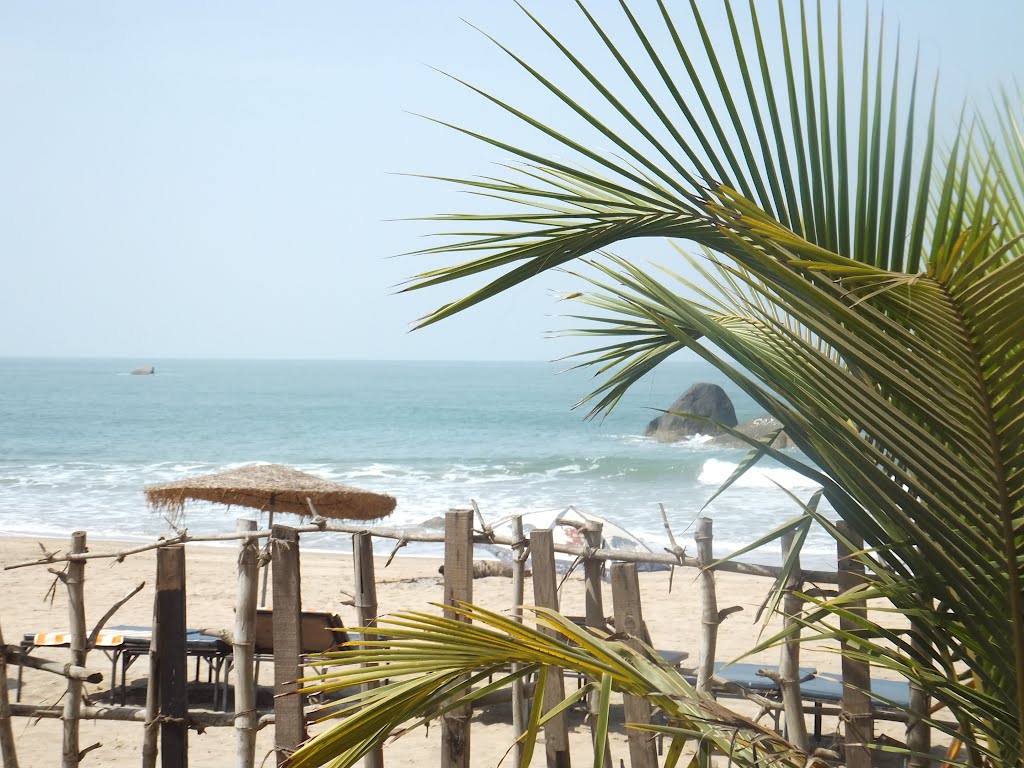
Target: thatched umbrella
x=272 y=487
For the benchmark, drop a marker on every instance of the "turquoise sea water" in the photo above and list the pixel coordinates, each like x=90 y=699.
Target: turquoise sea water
x=80 y=438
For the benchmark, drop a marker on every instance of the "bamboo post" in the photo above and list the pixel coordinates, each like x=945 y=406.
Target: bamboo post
x=245 y=648
x=594 y=612
x=919 y=736
x=709 y=604
x=629 y=619
x=519 y=554
x=545 y=595
x=12 y=654
x=593 y=600
x=458 y=588
x=789 y=662
x=151 y=730
x=366 y=611
x=74 y=579
x=289 y=720
x=7 y=749
x=267 y=565
x=856 y=673
x=170 y=634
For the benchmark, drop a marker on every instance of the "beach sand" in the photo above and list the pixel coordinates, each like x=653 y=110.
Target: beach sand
x=27 y=604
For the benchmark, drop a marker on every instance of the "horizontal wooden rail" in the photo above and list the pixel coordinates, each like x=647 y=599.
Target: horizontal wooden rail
x=403 y=536
x=134 y=715
x=14 y=655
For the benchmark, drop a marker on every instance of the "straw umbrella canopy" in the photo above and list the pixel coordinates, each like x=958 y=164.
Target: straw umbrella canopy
x=272 y=487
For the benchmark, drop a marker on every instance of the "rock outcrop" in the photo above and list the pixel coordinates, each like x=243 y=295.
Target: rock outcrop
x=149 y=370
x=702 y=399
x=761 y=428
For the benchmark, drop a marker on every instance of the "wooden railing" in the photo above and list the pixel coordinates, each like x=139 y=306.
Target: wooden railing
x=162 y=713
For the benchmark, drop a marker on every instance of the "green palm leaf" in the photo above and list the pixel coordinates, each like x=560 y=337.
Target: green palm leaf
x=865 y=290
x=407 y=644
x=672 y=149
x=906 y=394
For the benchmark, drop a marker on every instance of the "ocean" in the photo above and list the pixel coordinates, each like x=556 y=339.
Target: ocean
x=80 y=438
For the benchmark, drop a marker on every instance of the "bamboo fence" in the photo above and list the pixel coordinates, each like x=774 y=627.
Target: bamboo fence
x=163 y=716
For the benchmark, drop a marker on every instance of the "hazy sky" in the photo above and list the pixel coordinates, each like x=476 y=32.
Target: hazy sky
x=185 y=179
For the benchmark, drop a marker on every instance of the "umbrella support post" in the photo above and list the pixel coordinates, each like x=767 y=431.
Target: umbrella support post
x=266 y=565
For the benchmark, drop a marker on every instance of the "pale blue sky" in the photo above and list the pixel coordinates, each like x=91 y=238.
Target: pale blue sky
x=212 y=179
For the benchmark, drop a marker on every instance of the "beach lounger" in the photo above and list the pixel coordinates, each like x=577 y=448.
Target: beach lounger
x=124 y=644
x=321 y=631
x=740 y=679
x=889 y=701
x=746 y=676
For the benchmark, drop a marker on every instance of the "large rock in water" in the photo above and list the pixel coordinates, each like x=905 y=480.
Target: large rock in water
x=149 y=370
x=761 y=428
x=701 y=399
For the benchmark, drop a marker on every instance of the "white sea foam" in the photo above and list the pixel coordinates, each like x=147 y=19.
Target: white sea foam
x=84 y=470
x=717 y=471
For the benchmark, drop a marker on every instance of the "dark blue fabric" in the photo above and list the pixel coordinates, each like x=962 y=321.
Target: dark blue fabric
x=829 y=688
x=745 y=675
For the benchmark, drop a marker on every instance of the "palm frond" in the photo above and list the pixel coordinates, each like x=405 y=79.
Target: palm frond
x=422 y=663
x=672 y=148
x=905 y=392
x=866 y=289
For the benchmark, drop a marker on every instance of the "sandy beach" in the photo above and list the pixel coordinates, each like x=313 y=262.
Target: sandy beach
x=408 y=583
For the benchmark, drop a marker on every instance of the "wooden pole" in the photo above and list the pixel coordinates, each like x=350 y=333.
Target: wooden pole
x=709 y=604
x=245 y=648
x=629 y=619
x=7 y=749
x=519 y=554
x=170 y=638
x=458 y=588
x=289 y=719
x=151 y=730
x=593 y=600
x=74 y=579
x=12 y=654
x=267 y=565
x=919 y=735
x=856 y=673
x=594 y=611
x=366 y=611
x=408 y=536
x=789 y=662
x=545 y=595
x=197 y=718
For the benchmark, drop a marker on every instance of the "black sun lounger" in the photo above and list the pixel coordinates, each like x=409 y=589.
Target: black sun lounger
x=746 y=676
x=125 y=644
x=889 y=697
